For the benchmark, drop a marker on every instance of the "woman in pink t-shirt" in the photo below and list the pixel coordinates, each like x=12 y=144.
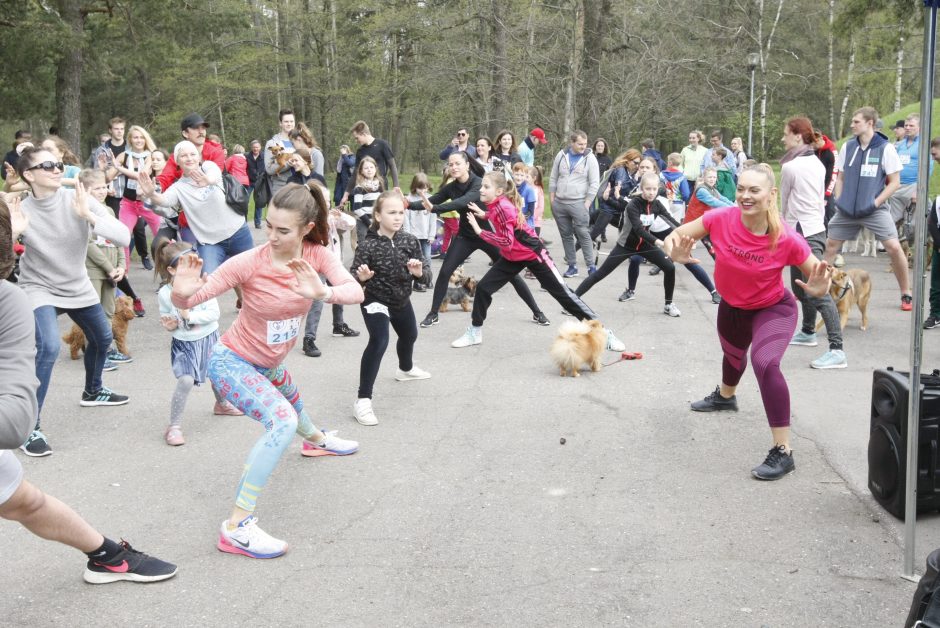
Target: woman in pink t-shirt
x=752 y=247
x=279 y=280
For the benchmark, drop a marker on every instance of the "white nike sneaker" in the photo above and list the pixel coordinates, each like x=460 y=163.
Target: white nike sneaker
x=249 y=540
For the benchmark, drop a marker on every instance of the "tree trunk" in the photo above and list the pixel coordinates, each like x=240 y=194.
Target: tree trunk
x=832 y=91
x=68 y=81
x=500 y=69
x=527 y=65
x=575 y=67
x=900 y=72
x=596 y=14
x=764 y=57
x=849 y=77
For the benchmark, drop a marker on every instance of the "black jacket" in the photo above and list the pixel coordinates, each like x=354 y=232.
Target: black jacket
x=255 y=166
x=456 y=196
x=640 y=215
x=391 y=284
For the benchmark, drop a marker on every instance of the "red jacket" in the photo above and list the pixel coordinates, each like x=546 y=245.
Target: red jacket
x=171 y=172
x=238 y=166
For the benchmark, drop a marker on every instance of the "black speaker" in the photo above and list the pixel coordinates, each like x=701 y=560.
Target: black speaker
x=887 y=443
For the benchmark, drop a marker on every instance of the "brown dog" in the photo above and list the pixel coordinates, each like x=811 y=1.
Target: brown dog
x=577 y=343
x=123 y=314
x=281 y=156
x=851 y=286
x=460 y=294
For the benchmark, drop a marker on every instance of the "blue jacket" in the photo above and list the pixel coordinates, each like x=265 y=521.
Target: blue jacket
x=863 y=176
x=656 y=156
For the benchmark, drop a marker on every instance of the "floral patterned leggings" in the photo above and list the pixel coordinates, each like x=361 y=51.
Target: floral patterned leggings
x=269 y=396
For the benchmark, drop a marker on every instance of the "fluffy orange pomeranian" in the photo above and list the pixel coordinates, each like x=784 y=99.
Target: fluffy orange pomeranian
x=579 y=342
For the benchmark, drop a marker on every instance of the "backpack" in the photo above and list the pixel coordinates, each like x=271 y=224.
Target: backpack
x=262 y=191
x=925 y=607
x=236 y=196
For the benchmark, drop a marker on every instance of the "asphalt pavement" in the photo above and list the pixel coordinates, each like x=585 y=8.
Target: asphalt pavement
x=497 y=493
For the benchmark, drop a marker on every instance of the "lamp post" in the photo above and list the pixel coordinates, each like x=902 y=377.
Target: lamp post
x=753 y=60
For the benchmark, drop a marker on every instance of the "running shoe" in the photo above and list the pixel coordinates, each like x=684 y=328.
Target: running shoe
x=716 y=298
x=103 y=397
x=839 y=261
x=332 y=445
x=414 y=373
x=777 y=464
x=655 y=270
x=419 y=288
x=529 y=274
x=120 y=358
x=571 y=272
x=129 y=564
x=109 y=366
x=148 y=265
x=833 y=359
x=628 y=295
x=362 y=410
x=932 y=322
x=907 y=302
x=803 y=339
x=431 y=319
x=715 y=402
x=473 y=336
x=539 y=318
x=139 y=308
x=670 y=309
x=36 y=445
x=614 y=343
x=174 y=436
x=249 y=540
x=344 y=331
x=226 y=409
x=592 y=269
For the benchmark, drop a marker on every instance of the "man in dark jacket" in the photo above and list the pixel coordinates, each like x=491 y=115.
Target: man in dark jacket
x=11 y=157
x=255 y=168
x=649 y=150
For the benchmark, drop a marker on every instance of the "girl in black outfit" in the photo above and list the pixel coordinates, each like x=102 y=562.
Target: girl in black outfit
x=388 y=260
x=600 y=153
x=635 y=239
x=463 y=189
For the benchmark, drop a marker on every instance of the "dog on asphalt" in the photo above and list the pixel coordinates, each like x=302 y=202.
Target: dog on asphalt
x=851 y=286
x=578 y=343
x=123 y=315
x=460 y=294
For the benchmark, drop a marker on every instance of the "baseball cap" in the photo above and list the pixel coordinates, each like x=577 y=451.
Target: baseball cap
x=193 y=121
x=539 y=134
x=898 y=125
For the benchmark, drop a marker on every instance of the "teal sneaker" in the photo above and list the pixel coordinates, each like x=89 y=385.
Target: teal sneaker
x=803 y=339
x=833 y=359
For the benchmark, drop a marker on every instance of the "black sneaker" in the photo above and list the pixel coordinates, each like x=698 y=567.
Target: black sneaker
x=310 y=348
x=628 y=295
x=716 y=298
x=119 y=358
x=148 y=265
x=344 y=331
x=103 y=397
x=131 y=565
x=777 y=464
x=655 y=270
x=36 y=445
x=419 y=288
x=540 y=319
x=430 y=319
x=715 y=402
x=931 y=322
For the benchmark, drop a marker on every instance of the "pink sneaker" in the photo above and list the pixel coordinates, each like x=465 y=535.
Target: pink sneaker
x=226 y=409
x=174 y=436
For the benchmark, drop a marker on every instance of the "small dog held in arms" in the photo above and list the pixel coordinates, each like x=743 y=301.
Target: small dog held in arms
x=460 y=294
x=850 y=287
x=281 y=156
x=577 y=343
x=123 y=314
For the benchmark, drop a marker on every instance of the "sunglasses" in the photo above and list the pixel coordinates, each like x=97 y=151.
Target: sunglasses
x=461 y=134
x=48 y=166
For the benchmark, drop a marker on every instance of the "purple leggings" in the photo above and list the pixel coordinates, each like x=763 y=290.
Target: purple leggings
x=769 y=330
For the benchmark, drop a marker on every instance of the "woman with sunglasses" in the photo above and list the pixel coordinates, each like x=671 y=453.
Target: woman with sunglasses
x=55 y=223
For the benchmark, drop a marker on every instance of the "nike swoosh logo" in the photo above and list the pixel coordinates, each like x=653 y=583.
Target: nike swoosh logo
x=239 y=542
x=122 y=568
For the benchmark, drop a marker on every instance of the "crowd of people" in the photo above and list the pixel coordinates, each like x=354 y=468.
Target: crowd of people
x=66 y=235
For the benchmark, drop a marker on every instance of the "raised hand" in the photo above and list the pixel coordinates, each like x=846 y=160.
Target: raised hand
x=428 y=205
x=416 y=267
x=681 y=252
x=364 y=273
x=473 y=207
x=819 y=280
x=145 y=184
x=80 y=204
x=308 y=284
x=188 y=279
x=199 y=178
x=19 y=221
x=12 y=177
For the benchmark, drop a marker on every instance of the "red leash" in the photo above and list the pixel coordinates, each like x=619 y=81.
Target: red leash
x=626 y=356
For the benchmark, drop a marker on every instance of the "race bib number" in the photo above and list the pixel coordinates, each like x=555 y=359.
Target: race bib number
x=646 y=219
x=280 y=332
x=869 y=170
x=905 y=159
x=376 y=308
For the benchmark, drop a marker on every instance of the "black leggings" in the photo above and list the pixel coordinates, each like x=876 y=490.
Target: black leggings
x=619 y=255
x=600 y=225
x=460 y=249
x=548 y=277
x=403 y=322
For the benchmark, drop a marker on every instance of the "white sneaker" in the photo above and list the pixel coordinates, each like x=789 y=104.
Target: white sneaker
x=414 y=373
x=331 y=445
x=249 y=540
x=613 y=343
x=362 y=410
x=473 y=336
x=670 y=309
